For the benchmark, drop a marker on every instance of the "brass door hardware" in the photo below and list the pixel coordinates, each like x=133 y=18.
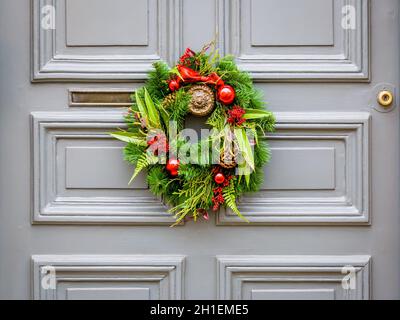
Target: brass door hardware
x=385 y=98
x=100 y=97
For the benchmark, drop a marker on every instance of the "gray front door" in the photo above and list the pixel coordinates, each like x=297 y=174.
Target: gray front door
x=326 y=223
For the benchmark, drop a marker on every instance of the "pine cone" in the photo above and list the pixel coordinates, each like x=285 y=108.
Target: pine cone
x=169 y=100
x=227 y=163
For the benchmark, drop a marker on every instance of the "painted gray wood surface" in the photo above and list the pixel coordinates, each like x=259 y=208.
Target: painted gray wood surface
x=330 y=199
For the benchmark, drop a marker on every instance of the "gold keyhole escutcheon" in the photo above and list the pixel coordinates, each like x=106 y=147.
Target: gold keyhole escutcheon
x=385 y=98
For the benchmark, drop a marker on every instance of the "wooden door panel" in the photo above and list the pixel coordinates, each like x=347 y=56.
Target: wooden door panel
x=82 y=45
x=292 y=277
x=302 y=40
x=90 y=277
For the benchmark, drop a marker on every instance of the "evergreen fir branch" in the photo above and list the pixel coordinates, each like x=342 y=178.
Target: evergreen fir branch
x=157 y=81
x=180 y=108
x=261 y=153
x=171 y=196
x=158 y=180
x=190 y=172
x=246 y=95
x=256 y=179
x=267 y=124
x=257 y=100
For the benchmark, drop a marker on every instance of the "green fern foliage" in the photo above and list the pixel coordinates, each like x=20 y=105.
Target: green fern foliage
x=230 y=195
x=133 y=152
x=144 y=161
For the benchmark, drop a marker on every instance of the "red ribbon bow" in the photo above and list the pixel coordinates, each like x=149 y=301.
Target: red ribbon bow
x=189 y=75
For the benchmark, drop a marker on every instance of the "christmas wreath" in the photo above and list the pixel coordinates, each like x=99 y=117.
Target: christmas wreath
x=194 y=177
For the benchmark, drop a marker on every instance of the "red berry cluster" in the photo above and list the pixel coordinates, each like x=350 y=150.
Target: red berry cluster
x=158 y=144
x=236 y=115
x=218 y=198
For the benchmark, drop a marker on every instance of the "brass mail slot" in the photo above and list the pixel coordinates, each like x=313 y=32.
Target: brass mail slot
x=100 y=97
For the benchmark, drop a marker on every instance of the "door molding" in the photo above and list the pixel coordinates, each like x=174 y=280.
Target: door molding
x=101 y=64
x=348 y=59
x=293 y=277
x=345 y=200
x=57 y=200
x=101 y=276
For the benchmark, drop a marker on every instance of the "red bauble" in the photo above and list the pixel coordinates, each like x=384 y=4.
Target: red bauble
x=172 y=165
x=174 y=85
x=219 y=178
x=173 y=173
x=226 y=94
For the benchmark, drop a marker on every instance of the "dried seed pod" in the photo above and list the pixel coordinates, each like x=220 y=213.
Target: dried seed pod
x=203 y=100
